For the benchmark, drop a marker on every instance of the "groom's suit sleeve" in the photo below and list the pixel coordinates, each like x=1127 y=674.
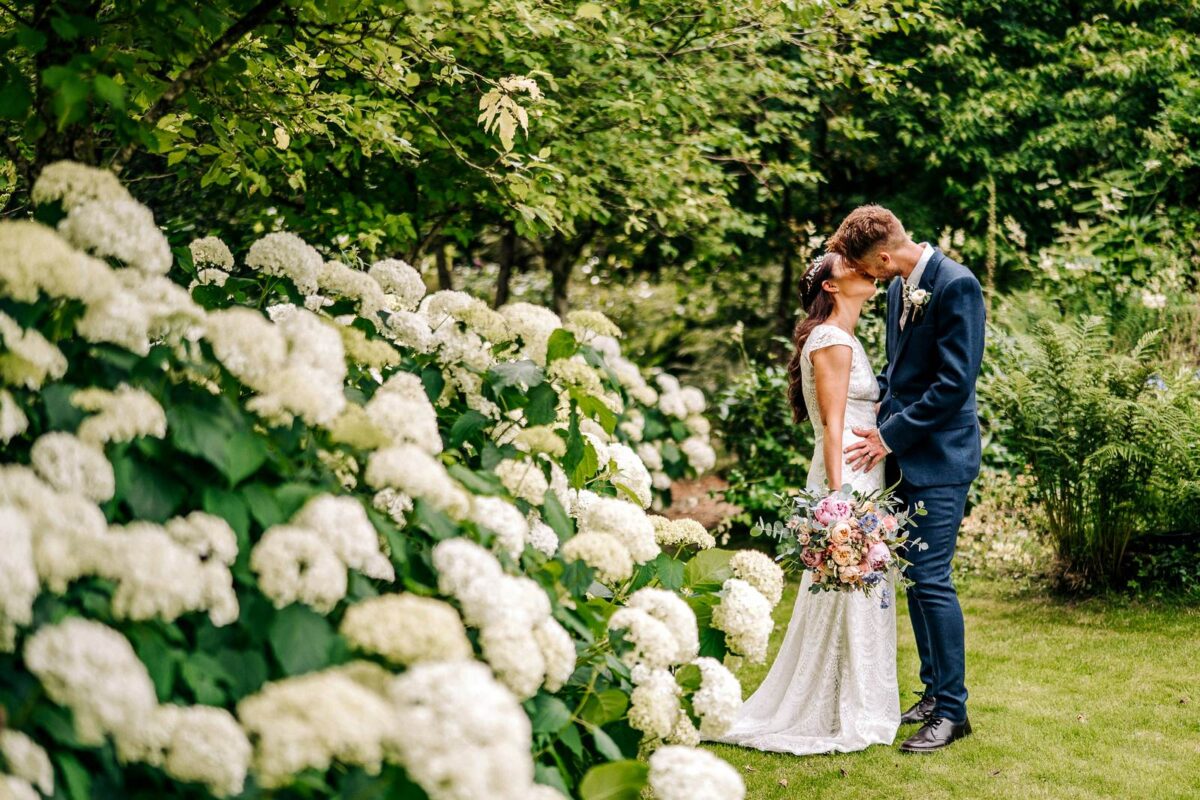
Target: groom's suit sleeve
x=960 y=345
x=881 y=378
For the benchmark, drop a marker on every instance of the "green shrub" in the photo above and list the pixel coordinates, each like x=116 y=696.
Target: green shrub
x=1003 y=536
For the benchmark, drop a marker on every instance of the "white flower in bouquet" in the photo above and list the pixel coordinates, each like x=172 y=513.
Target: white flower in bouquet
x=505 y=520
x=119 y=228
x=650 y=456
x=558 y=650
x=393 y=503
x=654 y=703
x=671 y=610
x=27 y=761
x=541 y=536
x=625 y=522
x=92 y=670
x=35 y=259
x=206 y=535
x=760 y=571
x=745 y=617
x=699 y=452
x=460 y=734
x=210 y=251
x=406 y=629
x=403 y=285
x=588 y=324
x=311 y=721
x=13 y=421
x=683 y=532
x=157 y=577
x=718 y=699
x=688 y=773
x=297 y=565
x=533 y=324
x=72 y=465
x=119 y=416
x=603 y=553
x=523 y=479
x=343 y=523
x=630 y=473
x=18 y=576
x=31 y=359
x=653 y=645
x=417 y=474
x=287 y=255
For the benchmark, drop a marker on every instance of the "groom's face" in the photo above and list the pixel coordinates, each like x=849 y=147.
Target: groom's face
x=877 y=264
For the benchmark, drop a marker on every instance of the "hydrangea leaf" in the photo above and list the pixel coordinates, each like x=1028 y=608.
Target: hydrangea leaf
x=301 y=640
x=619 y=780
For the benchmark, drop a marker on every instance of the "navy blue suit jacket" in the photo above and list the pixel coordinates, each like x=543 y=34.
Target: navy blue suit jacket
x=928 y=414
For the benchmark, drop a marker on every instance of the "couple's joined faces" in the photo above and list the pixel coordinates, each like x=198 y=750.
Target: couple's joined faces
x=851 y=282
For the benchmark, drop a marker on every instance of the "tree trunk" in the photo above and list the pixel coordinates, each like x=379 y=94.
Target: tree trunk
x=558 y=261
x=445 y=278
x=784 y=306
x=508 y=256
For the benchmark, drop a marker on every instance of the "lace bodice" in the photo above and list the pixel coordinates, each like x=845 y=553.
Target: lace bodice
x=860 y=401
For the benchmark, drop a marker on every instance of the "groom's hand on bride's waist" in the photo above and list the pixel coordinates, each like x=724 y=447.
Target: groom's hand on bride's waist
x=864 y=455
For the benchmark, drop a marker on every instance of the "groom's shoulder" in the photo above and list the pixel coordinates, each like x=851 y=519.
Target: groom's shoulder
x=951 y=271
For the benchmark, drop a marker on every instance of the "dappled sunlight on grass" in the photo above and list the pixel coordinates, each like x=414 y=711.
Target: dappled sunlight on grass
x=1081 y=700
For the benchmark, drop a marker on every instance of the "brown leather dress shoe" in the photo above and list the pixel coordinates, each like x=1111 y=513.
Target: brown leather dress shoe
x=919 y=712
x=936 y=733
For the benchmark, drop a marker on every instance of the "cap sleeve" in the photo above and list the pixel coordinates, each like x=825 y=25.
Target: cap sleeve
x=824 y=336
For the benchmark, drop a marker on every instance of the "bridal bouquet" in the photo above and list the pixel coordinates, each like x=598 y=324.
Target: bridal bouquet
x=847 y=540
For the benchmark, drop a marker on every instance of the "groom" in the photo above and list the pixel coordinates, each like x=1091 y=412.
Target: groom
x=929 y=426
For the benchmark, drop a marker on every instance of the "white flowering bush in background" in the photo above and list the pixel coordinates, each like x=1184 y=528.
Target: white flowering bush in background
x=279 y=526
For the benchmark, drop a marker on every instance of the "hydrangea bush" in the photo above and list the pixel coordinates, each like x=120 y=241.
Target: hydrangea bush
x=294 y=528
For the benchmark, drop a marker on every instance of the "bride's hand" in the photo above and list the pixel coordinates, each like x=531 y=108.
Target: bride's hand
x=864 y=455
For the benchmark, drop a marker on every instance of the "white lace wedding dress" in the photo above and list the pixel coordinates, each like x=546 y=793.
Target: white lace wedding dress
x=832 y=687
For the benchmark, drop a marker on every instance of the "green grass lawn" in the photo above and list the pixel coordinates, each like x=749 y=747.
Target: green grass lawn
x=1083 y=700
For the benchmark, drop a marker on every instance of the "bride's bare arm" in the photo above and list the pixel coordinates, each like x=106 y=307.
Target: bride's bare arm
x=831 y=374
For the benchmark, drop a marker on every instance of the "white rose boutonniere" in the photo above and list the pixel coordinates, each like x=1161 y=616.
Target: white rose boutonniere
x=917 y=299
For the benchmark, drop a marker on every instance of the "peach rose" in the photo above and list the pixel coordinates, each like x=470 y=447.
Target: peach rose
x=842 y=555
x=840 y=534
x=851 y=574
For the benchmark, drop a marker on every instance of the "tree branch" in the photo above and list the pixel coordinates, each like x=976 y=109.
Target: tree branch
x=222 y=45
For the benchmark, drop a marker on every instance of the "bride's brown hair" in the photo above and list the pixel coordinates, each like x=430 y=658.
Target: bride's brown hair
x=818 y=306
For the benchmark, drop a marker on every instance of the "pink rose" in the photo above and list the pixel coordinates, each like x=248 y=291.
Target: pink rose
x=879 y=555
x=831 y=510
x=803 y=538
x=812 y=559
x=889 y=523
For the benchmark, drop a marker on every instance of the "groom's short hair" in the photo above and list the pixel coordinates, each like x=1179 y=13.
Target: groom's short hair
x=864 y=229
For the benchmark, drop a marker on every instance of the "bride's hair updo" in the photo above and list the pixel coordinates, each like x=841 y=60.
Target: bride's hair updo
x=818 y=306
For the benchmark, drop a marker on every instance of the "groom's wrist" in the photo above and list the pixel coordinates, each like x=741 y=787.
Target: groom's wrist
x=883 y=442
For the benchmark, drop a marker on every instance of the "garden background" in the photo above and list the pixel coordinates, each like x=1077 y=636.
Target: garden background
x=463 y=184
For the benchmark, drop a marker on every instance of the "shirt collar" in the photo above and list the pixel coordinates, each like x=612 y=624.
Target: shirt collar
x=914 y=279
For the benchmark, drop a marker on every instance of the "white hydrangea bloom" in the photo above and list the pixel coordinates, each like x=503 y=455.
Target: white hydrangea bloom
x=576 y=372
x=653 y=644
x=71 y=183
x=693 y=400
x=683 y=532
x=337 y=279
x=760 y=571
x=699 y=425
x=249 y=345
x=406 y=629
x=745 y=617
x=667 y=382
x=393 y=503
x=588 y=324
x=35 y=259
x=624 y=521
x=654 y=703
x=167 y=309
x=14 y=788
x=401 y=409
x=524 y=479
x=92 y=670
x=120 y=318
x=409 y=329
x=460 y=734
x=206 y=535
x=688 y=773
x=31 y=359
x=603 y=553
x=71 y=465
x=18 y=576
x=673 y=404
x=718 y=699
x=539 y=439
x=558 y=650
x=287 y=255
x=700 y=454
x=542 y=537
x=343 y=523
x=468 y=573
x=671 y=610
x=27 y=760
x=560 y=485
x=119 y=416
x=417 y=474
x=210 y=251
x=630 y=473
x=684 y=732
x=404 y=285
x=209 y=277
x=661 y=481
x=310 y=383
x=311 y=721
x=650 y=455
x=13 y=421
x=533 y=324
x=197 y=744
x=505 y=520
x=514 y=655
x=296 y=564
x=119 y=228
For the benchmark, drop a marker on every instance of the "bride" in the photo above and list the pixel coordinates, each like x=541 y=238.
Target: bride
x=832 y=687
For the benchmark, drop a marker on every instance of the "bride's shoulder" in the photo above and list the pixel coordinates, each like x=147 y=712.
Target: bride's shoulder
x=826 y=335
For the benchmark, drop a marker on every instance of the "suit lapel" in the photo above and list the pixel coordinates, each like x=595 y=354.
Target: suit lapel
x=928 y=277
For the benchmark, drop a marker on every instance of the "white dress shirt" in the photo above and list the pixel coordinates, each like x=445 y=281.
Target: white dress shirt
x=911 y=282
